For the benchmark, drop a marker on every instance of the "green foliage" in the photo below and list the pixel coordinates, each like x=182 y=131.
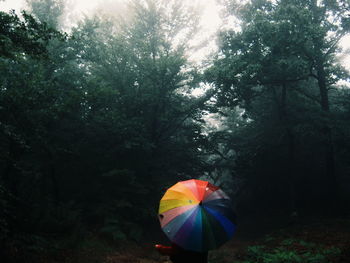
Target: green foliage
x=27 y=35
x=278 y=70
x=255 y=251
x=291 y=251
x=93 y=124
x=47 y=11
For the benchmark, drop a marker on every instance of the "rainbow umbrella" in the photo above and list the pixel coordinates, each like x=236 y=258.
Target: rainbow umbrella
x=196 y=215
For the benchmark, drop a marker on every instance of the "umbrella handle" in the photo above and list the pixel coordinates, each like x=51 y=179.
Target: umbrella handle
x=178 y=255
x=166 y=250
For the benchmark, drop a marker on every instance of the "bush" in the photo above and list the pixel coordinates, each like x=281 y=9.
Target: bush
x=291 y=251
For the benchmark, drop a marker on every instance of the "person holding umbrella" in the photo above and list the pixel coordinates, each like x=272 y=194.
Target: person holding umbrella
x=196 y=216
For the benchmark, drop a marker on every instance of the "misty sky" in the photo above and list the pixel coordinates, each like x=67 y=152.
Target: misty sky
x=210 y=19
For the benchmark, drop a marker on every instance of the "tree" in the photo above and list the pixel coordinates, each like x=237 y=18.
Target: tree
x=137 y=85
x=280 y=55
x=27 y=108
x=48 y=11
x=327 y=18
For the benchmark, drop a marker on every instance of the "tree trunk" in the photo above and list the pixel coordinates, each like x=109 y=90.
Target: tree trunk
x=290 y=171
x=319 y=60
x=10 y=174
x=326 y=130
x=291 y=153
x=51 y=170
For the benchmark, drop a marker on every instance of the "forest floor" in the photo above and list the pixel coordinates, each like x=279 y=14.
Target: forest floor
x=312 y=240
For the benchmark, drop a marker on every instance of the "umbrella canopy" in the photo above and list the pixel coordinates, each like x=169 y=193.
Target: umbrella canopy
x=196 y=215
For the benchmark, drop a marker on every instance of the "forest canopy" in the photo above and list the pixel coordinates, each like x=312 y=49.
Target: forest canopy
x=96 y=121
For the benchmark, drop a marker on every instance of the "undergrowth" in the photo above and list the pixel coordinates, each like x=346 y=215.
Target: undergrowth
x=285 y=251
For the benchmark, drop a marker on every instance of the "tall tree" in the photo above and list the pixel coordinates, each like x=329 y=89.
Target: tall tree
x=329 y=22
x=138 y=85
x=282 y=51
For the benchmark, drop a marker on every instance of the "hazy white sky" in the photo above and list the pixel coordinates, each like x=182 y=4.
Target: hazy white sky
x=210 y=15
